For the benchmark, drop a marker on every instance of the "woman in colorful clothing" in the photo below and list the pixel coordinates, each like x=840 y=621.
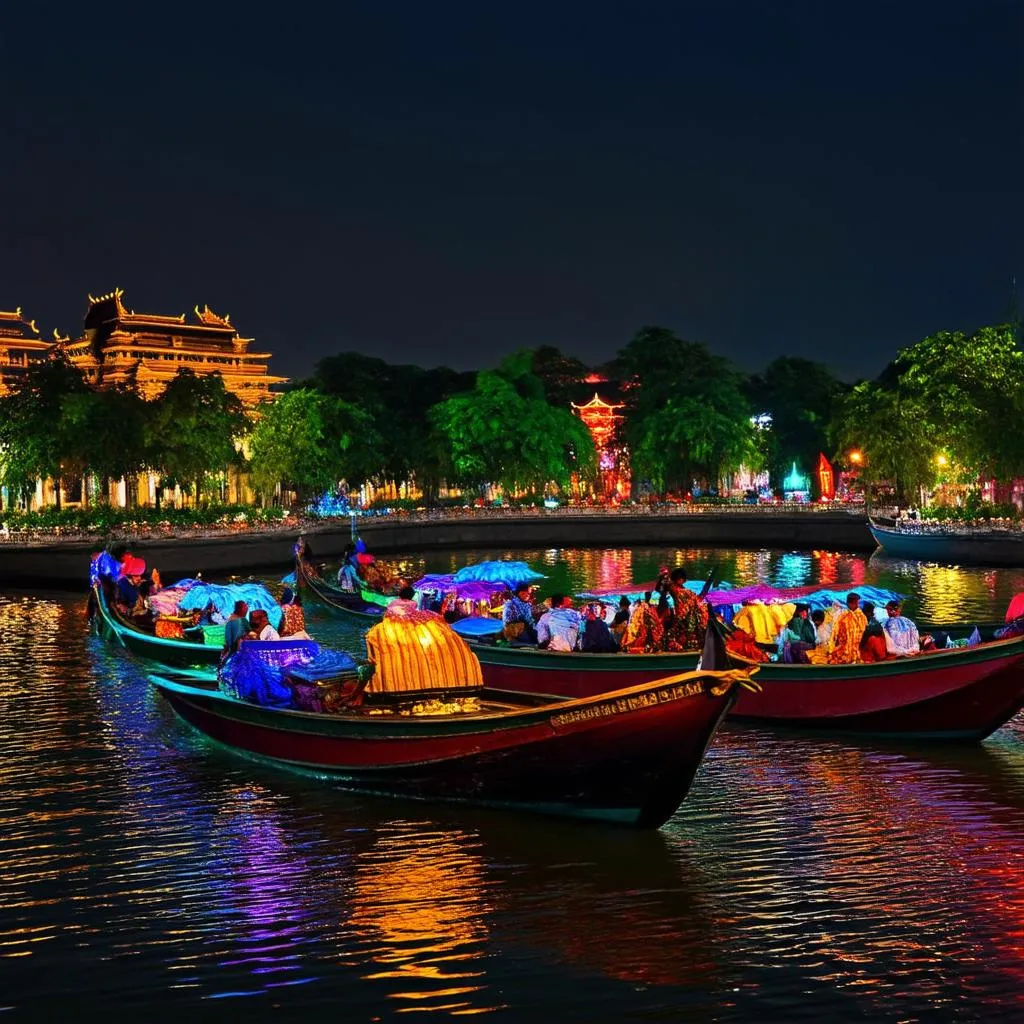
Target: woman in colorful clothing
x=872 y=641
x=645 y=631
x=293 y=620
x=688 y=624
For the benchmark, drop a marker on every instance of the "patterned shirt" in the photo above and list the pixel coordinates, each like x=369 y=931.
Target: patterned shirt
x=561 y=628
x=517 y=610
x=901 y=636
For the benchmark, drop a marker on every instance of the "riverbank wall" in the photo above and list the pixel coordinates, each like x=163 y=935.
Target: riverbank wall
x=65 y=564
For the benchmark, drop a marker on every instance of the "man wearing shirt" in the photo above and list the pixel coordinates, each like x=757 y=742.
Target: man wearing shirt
x=559 y=629
x=901 y=636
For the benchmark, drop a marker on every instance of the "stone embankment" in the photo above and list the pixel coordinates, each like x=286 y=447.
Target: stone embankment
x=44 y=563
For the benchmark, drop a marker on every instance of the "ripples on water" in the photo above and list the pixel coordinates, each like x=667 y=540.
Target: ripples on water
x=144 y=871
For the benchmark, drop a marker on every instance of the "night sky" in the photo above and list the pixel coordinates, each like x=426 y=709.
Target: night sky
x=446 y=182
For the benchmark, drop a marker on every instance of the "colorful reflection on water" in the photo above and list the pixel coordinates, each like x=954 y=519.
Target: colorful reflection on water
x=145 y=871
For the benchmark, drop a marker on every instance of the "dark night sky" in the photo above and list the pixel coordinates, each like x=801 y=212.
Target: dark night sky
x=446 y=182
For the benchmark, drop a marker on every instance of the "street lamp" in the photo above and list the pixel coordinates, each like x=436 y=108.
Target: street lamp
x=856 y=457
x=941 y=460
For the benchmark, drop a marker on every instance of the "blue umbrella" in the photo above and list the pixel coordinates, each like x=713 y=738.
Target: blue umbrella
x=509 y=573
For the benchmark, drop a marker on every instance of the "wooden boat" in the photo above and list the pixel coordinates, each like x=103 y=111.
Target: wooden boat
x=572 y=674
x=965 y=693
x=954 y=546
x=115 y=627
x=355 y=606
x=626 y=757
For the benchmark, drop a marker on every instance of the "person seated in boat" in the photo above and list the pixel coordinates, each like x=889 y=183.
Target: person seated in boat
x=740 y=642
x=126 y=592
x=405 y=602
x=644 y=632
x=141 y=613
x=236 y=628
x=260 y=627
x=902 y=639
x=798 y=636
x=293 y=619
x=764 y=622
x=872 y=641
x=303 y=552
x=209 y=616
x=849 y=628
x=687 y=624
x=821 y=631
x=597 y=637
x=620 y=620
x=559 y=629
x=517 y=621
x=348 y=574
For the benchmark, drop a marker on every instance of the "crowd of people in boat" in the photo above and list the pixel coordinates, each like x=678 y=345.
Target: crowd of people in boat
x=840 y=635
x=132 y=594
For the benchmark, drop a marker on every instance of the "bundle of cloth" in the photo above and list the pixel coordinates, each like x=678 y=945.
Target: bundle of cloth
x=285 y=674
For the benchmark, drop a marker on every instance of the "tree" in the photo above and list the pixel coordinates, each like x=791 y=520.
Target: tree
x=311 y=441
x=895 y=434
x=398 y=399
x=801 y=396
x=971 y=389
x=195 y=427
x=686 y=416
x=496 y=435
x=559 y=374
x=37 y=440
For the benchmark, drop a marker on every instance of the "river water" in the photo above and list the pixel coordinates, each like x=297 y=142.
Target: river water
x=144 y=872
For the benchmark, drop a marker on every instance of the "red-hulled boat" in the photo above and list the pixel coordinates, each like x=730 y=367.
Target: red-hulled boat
x=961 y=694
x=626 y=757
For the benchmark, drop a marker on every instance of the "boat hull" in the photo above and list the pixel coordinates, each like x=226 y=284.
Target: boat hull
x=963 y=694
x=573 y=675
x=981 y=549
x=173 y=653
x=627 y=758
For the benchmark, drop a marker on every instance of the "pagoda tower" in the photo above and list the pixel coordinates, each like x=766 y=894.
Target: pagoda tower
x=20 y=347
x=143 y=351
x=602 y=419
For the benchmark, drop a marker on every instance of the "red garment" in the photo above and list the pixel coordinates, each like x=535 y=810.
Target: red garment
x=741 y=642
x=872 y=648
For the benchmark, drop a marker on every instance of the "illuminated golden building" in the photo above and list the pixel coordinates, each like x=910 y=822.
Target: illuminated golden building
x=145 y=350
x=20 y=347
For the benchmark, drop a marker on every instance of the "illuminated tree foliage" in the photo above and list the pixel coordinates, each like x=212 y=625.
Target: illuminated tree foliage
x=802 y=398
x=37 y=439
x=195 y=428
x=397 y=399
x=894 y=433
x=686 y=415
x=504 y=432
x=972 y=388
x=310 y=442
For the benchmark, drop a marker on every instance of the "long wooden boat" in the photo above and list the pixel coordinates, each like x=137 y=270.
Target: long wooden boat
x=961 y=694
x=627 y=757
x=572 y=674
x=177 y=653
x=352 y=605
x=978 y=547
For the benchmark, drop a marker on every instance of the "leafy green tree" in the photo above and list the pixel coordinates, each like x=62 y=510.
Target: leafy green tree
x=686 y=415
x=559 y=374
x=895 y=434
x=37 y=441
x=801 y=397
x=310 y=441
x=972 y=391
x=496 y=434
x=397 y=399
x=195 y=427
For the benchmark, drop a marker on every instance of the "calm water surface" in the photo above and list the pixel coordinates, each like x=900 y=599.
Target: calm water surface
x=143 y=871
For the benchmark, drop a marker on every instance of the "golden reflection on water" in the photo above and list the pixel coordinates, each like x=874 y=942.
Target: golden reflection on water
x=419 y=909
